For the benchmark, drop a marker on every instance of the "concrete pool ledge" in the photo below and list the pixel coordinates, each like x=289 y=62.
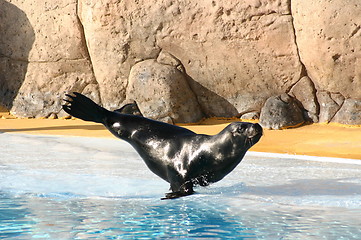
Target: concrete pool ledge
x=303 y=157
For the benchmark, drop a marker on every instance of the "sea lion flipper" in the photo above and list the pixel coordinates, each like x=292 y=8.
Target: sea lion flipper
x=173 y=195
x=84 y=108
x=185 y=189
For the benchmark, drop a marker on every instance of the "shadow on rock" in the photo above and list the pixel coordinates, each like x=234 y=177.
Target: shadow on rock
x=16 y=41
x=211 y=103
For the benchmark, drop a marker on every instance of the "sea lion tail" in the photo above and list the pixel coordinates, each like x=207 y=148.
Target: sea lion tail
x=80 y=106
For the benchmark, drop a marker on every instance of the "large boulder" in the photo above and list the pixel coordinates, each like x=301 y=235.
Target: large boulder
x=281 y=112
x=305 y=92
x=16 y=41
x=46 y=45
x=329 y=105
x=349 y=113
x=237 y=54
x=328 y=36
x=162 y=93
x=46 y=84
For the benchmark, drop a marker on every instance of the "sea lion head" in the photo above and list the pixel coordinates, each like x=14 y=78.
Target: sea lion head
x=246 y=133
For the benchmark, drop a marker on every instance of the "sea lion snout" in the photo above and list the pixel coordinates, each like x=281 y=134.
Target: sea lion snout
x=254 y=130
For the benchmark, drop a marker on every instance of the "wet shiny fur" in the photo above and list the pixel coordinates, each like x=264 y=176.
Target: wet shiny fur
x=177 y=155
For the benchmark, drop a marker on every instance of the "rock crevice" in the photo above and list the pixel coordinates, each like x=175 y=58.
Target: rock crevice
x=86 y=50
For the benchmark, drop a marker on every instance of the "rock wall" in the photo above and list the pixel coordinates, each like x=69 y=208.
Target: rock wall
x=328 y=35
x=220 y=58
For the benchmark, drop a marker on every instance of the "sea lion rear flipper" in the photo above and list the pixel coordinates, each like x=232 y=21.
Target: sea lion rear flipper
x=80 y=106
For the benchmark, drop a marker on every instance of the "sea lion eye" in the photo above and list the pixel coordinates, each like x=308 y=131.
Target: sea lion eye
x=242 y=128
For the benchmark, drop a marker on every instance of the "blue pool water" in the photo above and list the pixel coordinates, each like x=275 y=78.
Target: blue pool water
x=82 y=188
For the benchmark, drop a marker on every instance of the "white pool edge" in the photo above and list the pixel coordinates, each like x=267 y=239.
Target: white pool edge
x=249 y=153
x=304 y=157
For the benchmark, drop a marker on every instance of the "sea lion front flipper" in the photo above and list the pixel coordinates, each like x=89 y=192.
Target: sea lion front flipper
x=173 y=195
x=186 y=189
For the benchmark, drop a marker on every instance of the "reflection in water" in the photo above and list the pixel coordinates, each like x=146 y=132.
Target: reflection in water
x=25 y=217
x=126 y=218
x=13 y=217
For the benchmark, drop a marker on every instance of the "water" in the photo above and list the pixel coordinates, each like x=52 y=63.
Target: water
x=83 y=188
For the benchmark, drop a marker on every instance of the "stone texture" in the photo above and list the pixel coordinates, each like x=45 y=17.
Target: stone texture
x=338 y=98
x=229 y=49
x=168 y=59
x=281 y=112
x=304 y=91
x=112 y=47
x=52 y=61
x=17 y=38
x=328 y=106
x=162 y=93
x=328 y=36
x=349 y=113
x=233 y=54
x=59 y=36
x=250 y=115
x=46 y=84
x=237 y=53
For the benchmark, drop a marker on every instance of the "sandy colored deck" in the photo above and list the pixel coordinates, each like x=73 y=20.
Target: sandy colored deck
x=313 y=140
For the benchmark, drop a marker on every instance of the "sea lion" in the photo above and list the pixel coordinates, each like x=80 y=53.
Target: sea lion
x=177 y=155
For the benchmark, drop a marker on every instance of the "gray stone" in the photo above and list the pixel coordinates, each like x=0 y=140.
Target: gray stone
x=338 y=98
x=168 y=59
x=281 y=112
x=47 y=83
x=250 y=115
x=167 y=119
x=162 y=93
x=328 y=107
x=304 y=91
x=53 y=116
x=349 y=113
